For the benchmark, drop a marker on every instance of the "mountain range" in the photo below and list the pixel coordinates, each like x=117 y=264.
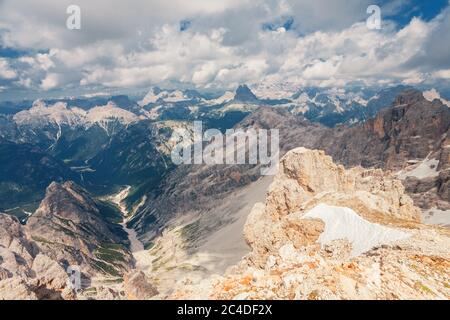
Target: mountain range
x=90 y=182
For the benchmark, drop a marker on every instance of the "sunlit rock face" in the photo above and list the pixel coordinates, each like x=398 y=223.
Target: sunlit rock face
x=329 y=233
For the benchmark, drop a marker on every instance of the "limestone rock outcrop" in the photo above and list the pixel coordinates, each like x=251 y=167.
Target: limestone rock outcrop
x=25 y=272
x=329 y=233
x=309 y=177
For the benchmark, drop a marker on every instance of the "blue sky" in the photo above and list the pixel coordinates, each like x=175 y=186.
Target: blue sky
x=216 y=45
x=426 y=10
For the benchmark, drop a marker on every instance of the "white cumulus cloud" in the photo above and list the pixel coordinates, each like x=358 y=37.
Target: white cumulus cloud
x=225 y=43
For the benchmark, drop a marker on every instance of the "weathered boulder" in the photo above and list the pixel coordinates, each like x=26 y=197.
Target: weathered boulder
x=138 y=287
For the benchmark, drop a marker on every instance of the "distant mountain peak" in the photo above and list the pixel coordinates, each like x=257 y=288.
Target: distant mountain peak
x=156 y=95
x=408 y=96
x=244 y=94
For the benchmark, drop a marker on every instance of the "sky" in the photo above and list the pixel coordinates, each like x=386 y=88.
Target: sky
x=218 y=44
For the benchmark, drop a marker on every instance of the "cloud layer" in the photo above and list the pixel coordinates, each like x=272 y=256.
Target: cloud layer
x=219 y=44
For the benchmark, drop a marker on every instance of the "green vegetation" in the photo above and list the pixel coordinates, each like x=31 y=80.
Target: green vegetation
x=112 y=214
x=91 y=290
x=191 y=267
x=111 y=253
x=40 y=239
x=106 y=268
x=26 y=172
x=113 y=281
x=420 y=286
x=113 y=246
x=190 y=231
x=111 y=258
x=20 y=212
x=149 y=245
x=109 y=211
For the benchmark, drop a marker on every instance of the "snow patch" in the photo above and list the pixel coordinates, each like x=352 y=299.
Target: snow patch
x=344 y=223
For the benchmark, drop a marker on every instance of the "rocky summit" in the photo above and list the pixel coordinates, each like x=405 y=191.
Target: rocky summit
x=324 y=232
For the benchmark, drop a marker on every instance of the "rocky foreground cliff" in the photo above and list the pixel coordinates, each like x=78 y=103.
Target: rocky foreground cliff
x=72 y=247
x=324 y=232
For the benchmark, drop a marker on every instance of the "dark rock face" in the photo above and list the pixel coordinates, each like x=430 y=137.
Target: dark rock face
x=244 y=94
x=70 y=226
x=414 y=185
x=131 y=157
x=443 y=185
x=410 y=129
x=25 y=173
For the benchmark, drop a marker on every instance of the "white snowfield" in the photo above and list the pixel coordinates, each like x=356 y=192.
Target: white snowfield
x=344 y=223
